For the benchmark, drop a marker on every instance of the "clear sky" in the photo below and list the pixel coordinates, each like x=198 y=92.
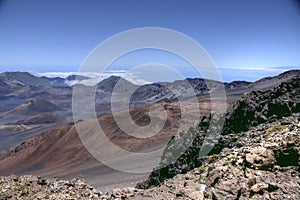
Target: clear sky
x=57 y=35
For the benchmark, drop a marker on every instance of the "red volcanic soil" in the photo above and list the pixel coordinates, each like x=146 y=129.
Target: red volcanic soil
x=60 y=152
x=31 y=108
x=43 y=118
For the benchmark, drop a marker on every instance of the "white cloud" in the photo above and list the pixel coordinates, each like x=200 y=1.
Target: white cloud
x=94 y=78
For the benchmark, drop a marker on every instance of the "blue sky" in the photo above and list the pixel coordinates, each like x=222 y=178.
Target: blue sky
x=57 y=35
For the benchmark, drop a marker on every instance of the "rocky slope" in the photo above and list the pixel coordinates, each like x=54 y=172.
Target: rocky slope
x=258 y=107
x=263 y=164
x=35 y=187
x=253 y=109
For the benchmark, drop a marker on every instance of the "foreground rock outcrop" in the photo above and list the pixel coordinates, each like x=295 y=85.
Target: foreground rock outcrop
x=35 y=187
x=259 y=107
x=263 y=165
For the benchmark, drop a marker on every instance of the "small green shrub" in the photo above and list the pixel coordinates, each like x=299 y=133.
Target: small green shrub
x=201 y=180
x=275 y=128
x=213 y=158
x=24 y=188
x=16 y=187
x=231 y=158
x=151 y=187
x=233 y=137
x=201 y=169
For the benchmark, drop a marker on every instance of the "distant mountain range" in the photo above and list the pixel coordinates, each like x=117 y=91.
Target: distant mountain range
x=19 y=88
